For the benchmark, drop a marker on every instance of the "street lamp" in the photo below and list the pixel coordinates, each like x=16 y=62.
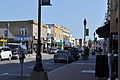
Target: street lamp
x=85 y=22
x=38 y=71
x=38 y=64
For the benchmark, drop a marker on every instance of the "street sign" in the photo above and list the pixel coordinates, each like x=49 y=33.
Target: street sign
x=45 y=2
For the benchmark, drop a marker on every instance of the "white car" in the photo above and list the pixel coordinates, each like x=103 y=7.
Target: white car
x=5 y=53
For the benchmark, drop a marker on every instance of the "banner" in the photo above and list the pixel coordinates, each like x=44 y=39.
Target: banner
x=45 y=2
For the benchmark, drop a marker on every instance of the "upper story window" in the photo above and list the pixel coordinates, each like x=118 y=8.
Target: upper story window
x=24 y=31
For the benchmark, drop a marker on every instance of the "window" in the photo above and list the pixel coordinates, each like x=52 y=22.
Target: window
x=23 y=31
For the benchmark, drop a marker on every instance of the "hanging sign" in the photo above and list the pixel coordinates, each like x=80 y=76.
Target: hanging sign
x=45 y=2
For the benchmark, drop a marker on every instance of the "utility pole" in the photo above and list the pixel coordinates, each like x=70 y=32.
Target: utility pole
x=118 y=39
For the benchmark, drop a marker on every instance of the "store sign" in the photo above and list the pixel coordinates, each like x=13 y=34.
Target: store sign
x=3 y=40
x=22 y=38
x=45 y=2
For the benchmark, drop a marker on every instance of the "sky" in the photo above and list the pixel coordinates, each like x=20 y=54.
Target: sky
x=67 y=13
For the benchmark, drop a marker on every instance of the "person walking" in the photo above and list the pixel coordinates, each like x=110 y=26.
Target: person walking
x=86 y=53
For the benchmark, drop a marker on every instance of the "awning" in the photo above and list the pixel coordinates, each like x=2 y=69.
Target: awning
x=104 y=31
x=67 y=43
x=59 y=43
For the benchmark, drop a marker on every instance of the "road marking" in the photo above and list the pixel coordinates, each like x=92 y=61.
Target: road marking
x=88 y=71
x=31 y=67
x=85 y=63
x=17 y=75
x=4 y=74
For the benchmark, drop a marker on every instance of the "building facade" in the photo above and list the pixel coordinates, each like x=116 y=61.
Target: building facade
x=24 y=32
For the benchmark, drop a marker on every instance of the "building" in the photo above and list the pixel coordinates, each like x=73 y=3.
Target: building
x=24 y=32
x=113 y=21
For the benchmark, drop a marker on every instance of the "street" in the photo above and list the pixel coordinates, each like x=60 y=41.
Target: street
x=10 y=70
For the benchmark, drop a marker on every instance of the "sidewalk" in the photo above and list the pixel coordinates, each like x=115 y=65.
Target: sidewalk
x=79 y=70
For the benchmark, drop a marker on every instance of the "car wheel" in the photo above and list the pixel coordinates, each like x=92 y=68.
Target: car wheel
x=10 y=57
x=55 y=61
x=0 y=58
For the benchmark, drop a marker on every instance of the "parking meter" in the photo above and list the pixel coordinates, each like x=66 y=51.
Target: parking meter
x=21 y=58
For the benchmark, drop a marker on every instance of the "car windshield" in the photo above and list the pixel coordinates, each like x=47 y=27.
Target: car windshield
x=62 y=51
x=23 y=46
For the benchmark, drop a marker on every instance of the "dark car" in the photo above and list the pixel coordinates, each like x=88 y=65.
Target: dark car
x=17 y=49
x=74 y=51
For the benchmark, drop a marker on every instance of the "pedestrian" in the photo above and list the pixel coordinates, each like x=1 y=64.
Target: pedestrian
x=86 y=53
x=100 y=49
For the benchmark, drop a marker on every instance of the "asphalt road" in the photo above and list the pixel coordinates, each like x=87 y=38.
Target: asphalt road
x=11 y=70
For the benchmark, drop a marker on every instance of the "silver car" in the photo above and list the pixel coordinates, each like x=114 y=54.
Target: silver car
x=63 y=55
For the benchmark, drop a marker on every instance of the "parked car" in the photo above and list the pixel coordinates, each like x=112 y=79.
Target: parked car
x=17 y=49
x=5 y=53
x=74 y=51
x=63 y=55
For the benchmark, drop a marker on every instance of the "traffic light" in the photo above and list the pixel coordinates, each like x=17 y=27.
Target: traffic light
x=87 y=32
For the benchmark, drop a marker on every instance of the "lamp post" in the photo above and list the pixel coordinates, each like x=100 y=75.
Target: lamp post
x=38 y=64
x=119 y=40
x=85 y=22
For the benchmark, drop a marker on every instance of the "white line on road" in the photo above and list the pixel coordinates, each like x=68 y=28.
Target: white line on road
x=88 y=71
x=4 y=74
x=31 y=67
x=85 y=63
